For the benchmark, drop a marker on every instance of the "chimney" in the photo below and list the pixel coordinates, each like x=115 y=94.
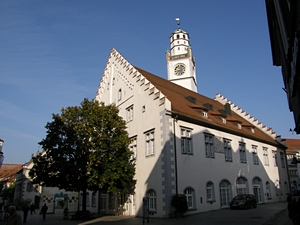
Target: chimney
x=227 y=109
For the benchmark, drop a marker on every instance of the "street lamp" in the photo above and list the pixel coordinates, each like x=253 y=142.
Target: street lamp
x=1 y=153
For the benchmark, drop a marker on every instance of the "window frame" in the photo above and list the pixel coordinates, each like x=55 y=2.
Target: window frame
x=186 y=141
x=255 y=156
x=210 y=192
x=243 y=151
x=227 y=150
x=209 y=143
x=150 y=142
x=152 y=200
x=266 y=156
x=129 y=113
x=190 y=198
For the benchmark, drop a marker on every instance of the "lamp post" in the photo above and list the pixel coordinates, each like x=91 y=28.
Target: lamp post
x=1 y=153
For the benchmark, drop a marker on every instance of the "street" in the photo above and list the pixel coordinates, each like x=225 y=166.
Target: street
x=265 y=214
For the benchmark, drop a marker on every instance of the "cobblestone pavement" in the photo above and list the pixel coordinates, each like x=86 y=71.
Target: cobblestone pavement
x=265 y=214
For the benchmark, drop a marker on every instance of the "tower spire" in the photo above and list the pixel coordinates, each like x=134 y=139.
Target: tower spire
x=178 y=22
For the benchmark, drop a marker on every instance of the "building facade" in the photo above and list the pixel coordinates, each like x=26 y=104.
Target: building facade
x=186 y=143
x=283 y=20
x=27 y=193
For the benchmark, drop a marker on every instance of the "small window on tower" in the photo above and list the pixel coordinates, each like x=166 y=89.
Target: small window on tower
x=184 y=36
x=177 y=42
x=178 y=48
x=177 y=36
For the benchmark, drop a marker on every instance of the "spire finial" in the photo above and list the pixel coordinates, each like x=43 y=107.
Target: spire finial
x=178 y=22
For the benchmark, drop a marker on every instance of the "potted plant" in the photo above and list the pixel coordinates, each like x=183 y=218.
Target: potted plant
x=179 y=202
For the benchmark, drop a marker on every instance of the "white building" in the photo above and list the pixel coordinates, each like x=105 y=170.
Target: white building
x=56 y=199
x=184 y=142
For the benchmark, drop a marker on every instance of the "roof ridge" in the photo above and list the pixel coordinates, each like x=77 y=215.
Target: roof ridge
x=246 y=116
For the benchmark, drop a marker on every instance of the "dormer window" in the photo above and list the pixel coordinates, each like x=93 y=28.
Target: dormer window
x=252 y=129
x=239 y=126
x=204 y=114
x=223 y=120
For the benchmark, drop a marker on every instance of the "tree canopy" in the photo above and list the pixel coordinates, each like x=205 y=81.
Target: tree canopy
x=86 y=148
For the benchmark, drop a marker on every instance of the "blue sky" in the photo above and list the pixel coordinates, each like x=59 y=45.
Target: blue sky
x=53 y=54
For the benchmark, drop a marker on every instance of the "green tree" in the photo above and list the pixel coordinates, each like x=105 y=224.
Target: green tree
x=9 y=192
x=86 y=148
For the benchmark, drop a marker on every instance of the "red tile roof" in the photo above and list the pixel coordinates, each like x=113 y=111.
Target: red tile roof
x=8 y=172
x=293 y=145
x=192 y=111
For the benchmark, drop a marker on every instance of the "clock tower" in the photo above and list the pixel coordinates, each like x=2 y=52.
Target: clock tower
x=181 y=64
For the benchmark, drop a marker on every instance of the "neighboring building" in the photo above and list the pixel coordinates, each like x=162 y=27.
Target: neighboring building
x=27 y=193
x=184 y=142
x=293 y=158
x=7 y=177
x=284 y=29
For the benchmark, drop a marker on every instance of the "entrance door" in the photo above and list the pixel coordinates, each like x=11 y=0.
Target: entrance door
x=225 y=194
x=257 y=190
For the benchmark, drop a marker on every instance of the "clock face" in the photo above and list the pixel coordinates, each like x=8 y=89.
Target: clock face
x=179 y=69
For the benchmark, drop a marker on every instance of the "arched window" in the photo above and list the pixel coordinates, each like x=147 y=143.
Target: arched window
x=225 y=193
x=190 y=197
x=241 y=186
x=210 y=192
x=151 y=200
x=177 y=36
x=268 y=190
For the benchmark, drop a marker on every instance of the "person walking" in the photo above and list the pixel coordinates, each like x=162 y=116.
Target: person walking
x=25 y=213
x=14 y=218
x=44 y=211
x=32 y=208
x=293 y=212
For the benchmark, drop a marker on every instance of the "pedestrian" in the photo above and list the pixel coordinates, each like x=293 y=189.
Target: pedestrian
x=14 y=218
x=32 y=208
x=293 y=210
x=25 y=213
x=44 y=211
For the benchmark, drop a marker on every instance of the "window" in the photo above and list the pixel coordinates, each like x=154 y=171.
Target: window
x=241 y=186
x=119 y=94
x=282 y=160
x=29 y=187
x=94 y=199
x=210 y=193
x=239 y=126
x=223 y=120
x=209 y=145
x=242 y=147
x=87 y=199
x=274 y=153
x=149 y=143
x=189 y=193
x=225 y=193
x=151 y=200
x=227 y=150
x=265 y=153
x=113 y=82
x=255 y=156
x=268 y=190
x=186 y=141
x=129 y=112
x=111 y=200
x=143 y=108
x=133 y=148
x=205 y=114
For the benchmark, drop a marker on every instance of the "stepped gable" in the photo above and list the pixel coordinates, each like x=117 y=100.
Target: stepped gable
x=191 y=106
x=246 y=116
x=128 y=73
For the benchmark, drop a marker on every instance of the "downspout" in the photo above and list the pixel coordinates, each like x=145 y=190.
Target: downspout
x=175 y=153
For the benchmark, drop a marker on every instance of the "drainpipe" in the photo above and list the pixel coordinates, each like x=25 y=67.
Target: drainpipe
x=175 y=152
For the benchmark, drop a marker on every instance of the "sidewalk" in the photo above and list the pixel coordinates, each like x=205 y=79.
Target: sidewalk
x=266 y=214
